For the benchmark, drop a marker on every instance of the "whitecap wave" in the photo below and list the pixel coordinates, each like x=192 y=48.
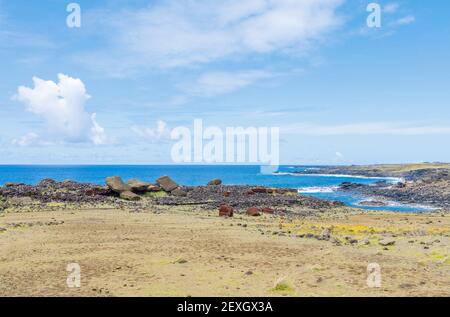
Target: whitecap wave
x=419 y=206
x=316 y=189
x=395 y=204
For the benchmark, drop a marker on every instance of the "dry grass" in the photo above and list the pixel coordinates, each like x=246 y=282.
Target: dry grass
x=184 y=252
x=401 y=168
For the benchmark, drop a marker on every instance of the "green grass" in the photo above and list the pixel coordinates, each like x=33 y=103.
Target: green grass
x=283 y=287
x=156 y=194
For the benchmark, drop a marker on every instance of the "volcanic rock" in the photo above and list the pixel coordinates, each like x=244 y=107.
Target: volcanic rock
x=215 y=182
x=386 y=242
x=47 y=182
x=259 y=190
x=253 y=211
x=179 y=193
x=116 y=184
x=350 y=186
x=226 y=211
x=268 y=210
x=153 y=188
x=128 y=195
x=101 y=191
x=9 y=184
x=166 y=183
x=372 y=203
x=138 y=186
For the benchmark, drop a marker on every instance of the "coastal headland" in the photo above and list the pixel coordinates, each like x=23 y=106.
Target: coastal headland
x=421 y=184
x=159 y=238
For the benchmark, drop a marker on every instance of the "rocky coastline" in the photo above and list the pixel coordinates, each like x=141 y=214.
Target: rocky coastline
x=138 y=194
x=419 y=184
x=422 y=186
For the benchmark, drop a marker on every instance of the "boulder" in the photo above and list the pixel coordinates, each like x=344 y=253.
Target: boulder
x=226 y=211
x=166 y=183
x=268 y=210
x=179 y=193
x=47 y=182
x=13 y=184
x=372 y=203
x=128 y=195
x=215 y=182
x=153 y=188
x=350 y=186
x=259 y=190
x=253 y=211
x=138 y=186
x=116 y=184
x=226 y=194
x=68 y=182
x=386 y=242
x=99 y=191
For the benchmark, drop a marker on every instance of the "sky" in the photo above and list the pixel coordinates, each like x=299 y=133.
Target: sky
x=112 y=90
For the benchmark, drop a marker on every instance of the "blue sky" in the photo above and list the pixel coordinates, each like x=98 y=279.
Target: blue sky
x=340 y=92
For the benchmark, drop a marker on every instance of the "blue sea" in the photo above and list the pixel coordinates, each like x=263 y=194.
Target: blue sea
x=322 y=186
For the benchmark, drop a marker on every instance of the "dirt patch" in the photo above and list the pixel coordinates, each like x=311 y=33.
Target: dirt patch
x=185 y=252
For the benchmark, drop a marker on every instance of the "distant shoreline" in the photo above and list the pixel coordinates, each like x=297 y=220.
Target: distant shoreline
x=422 y=184
x=406 y=184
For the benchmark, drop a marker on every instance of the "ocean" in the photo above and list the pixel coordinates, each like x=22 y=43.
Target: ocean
x=322 y=186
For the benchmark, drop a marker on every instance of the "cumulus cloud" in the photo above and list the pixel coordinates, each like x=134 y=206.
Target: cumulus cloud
x=27 y=139
x=160 y=132
x=179 y=33
x=62 y=108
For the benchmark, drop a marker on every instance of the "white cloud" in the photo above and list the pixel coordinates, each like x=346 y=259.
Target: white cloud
x=180 y=33
x=406 y=20
x=391 y=7
x=62 y=107
x=368 y=128
x=218 y=83
x=27 y=139
x=152 y=134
